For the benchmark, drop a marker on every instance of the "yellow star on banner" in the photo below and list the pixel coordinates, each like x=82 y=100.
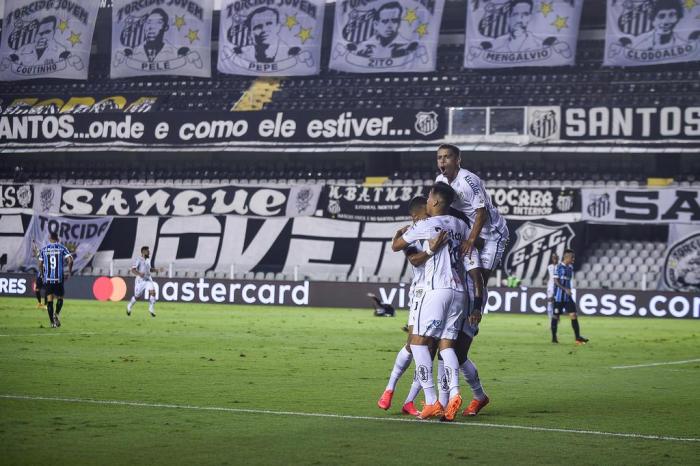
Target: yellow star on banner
x=179 y=21
x=560 y=22
x=291 y=21
x=411 y=16
x=546 y=8
x=193 y=35
x=690 y=4
x=422 y=29
x=62 y=25
x=304 y=34
x=74 y=39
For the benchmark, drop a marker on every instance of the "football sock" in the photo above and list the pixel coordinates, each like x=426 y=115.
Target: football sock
x=415 y=388
x=38 y=296
x=443 y=386
x=49 y=307
x=132 y=301
x=555 y=323
x=451 y=370
x=550 y=309
x=424 y=369
x=577 y=330
x=403 y=360
x=472 y=376
x=151 y=303
x=59 y=305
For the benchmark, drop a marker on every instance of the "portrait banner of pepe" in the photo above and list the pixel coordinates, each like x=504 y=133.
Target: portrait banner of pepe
x=514 y=33
x=652 y=32
x=161 y=38
x=270 y=38
x=46 y=39
x=380 y=36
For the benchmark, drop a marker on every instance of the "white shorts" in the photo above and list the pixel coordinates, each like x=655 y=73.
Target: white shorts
x=472 y=262
x=492 y=252
x=440 y=314
x=550 y=291
x=413 y=306
x=141 y=285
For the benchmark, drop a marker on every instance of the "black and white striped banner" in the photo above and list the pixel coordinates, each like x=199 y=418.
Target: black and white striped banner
x=669 y=205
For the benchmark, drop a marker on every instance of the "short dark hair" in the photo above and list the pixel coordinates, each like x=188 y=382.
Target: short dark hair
x=451 y=147
x=259 y=10
x=667 y=5
x=568 y=251
x=387 y=6
x=512 y=4
x=53 y=236
x=144 y=247
x=162 y=13
x=444 y=191
x=417 y=202
x=49 y=19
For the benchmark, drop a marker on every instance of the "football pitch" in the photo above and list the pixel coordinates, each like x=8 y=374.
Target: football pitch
x=214 y=384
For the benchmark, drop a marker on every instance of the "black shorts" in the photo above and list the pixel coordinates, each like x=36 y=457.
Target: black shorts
x=55 y=289
x=564 y=307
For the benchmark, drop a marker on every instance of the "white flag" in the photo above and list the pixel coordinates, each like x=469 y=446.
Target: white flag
x=47 y=39
x=380 y=36
x=512 y=33
x=161 y=38
x=650 y=32
x=272 y=38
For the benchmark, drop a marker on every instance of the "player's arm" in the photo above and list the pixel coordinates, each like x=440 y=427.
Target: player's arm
x=417 y=258
x=460 y=215
x=468 y=244
x=398 y=243
x=136 y=272
x=558 y=284
x=478 y=280
x=69 y=259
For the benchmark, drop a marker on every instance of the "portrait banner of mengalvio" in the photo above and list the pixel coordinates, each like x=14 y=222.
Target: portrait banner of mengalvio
x=513 y=33
x=652 y=32
x=266 y=38
x=161 y=38
x=386 y=36
x=47 y=39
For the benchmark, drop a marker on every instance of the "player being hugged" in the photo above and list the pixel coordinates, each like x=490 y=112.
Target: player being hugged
x=440 y=310
x=51 y=260
x=143 y=284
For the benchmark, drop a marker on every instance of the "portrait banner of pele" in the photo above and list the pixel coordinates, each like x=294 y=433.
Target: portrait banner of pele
x=270 y=38
x=380 y=36
x=514 y=33
x=651 y=32
x=47 y=39
x=161 y=38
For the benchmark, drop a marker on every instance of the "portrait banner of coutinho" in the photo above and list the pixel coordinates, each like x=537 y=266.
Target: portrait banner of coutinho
x=386 y=36
x=161 y=38
x=514 y=33
x=47 y=39
x=652 y=32
x=270 y=38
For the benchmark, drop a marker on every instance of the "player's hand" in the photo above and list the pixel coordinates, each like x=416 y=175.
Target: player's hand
x=439 y=241
x=467 y=247
x=475 y=317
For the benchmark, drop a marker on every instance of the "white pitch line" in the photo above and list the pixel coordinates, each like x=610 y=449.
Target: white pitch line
x=54 y=334
x=142 y=404
x=656 y=364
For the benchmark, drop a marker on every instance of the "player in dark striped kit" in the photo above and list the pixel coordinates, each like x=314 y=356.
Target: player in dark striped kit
x=563 y=297
x=51 y=259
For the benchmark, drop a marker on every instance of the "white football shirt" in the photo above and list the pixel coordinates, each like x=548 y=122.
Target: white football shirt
x=143 y=266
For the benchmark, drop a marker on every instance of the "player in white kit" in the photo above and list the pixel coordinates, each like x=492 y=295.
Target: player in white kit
x=143 y=284
x=440 y=310
x=417 y=257
x=473 y=201
x=551 y=273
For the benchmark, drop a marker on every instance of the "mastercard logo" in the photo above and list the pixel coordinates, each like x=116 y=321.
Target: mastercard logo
x=109 y=289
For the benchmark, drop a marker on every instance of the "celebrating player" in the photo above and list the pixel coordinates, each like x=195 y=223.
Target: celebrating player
x=563 y=297
x=440 y=311
x=51 y=259
x=143 y=284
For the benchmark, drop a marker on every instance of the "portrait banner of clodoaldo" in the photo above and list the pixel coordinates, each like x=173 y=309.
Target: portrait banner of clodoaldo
x=270 y=37
x=166 y=201
x=667 y=205
x=161 y=37
x=651 y=32
x=47 y=39
x=681 y=270
x=510 y=33
x=380 y=36
x=81 y=236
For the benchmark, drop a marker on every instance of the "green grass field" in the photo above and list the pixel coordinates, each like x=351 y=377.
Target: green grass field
x=247 y=360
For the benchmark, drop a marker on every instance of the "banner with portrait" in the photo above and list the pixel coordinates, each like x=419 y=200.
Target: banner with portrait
x=386 y=36
x=270 y=38
x=512 y=33
x=161 y=38
x=681 y=263
x=651 y=32
x=47 y=39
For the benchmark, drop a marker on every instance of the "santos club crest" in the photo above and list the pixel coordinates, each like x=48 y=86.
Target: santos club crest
x=534 y=245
